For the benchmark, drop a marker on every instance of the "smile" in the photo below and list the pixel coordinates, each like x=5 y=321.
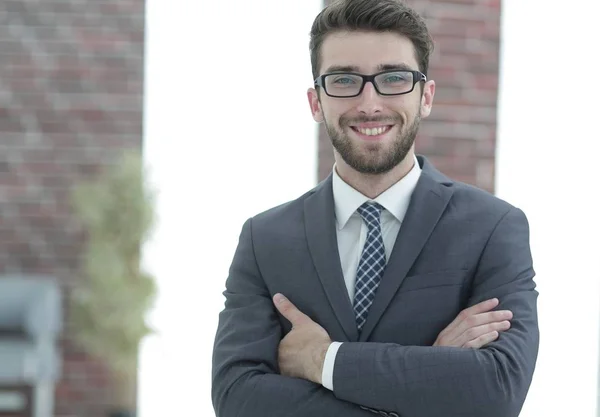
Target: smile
x=372 y=131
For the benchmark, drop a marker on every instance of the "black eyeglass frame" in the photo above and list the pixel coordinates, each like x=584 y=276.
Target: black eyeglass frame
x=418 y=76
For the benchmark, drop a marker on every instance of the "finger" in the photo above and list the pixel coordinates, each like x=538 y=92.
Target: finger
x=476 y=332
x=493 y=317
x=479 y=308
x=482 y=340
x=289 y=310
x=482 y=319
x=459 y=340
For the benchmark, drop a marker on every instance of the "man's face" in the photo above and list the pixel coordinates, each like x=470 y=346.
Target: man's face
x=371 y=133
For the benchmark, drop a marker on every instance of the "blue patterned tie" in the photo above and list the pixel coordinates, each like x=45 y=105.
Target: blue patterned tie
x=371 y=264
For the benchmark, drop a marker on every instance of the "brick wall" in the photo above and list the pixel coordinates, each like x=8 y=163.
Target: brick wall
x=460 y=135
x=71 y=80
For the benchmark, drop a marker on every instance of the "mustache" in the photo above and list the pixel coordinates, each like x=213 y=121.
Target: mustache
x=346 y=121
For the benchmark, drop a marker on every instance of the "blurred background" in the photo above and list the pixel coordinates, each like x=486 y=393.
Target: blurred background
x=201 y=92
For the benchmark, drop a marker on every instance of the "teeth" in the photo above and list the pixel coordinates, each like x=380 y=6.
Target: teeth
x=373 y=131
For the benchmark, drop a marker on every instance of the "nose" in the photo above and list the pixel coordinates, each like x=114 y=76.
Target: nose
x=369 y=100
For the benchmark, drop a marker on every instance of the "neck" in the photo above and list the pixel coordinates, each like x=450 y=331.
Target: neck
x=372 y=185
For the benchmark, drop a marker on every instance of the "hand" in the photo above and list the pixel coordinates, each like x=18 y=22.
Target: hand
x=302 y=351
x=475 y=326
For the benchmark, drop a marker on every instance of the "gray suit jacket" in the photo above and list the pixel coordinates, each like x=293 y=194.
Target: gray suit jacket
x=457 y=246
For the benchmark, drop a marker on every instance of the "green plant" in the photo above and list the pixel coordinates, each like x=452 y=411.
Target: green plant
x=109 y=305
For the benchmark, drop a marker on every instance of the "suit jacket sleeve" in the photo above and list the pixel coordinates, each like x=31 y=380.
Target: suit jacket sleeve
x=245 y=376
x=421 y=381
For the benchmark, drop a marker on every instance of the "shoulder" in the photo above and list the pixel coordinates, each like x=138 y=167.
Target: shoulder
x=466 y=198
x=480 y=205
x=285 y=215
x=468 y=194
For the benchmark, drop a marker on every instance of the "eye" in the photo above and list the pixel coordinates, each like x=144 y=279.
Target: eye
x=343 y=80
x=395 y=78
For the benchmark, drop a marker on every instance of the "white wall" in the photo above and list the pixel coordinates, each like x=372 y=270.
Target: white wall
x=548 y=150
x=228 y=134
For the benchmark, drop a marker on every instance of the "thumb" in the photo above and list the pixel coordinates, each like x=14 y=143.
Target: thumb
x=289 y=310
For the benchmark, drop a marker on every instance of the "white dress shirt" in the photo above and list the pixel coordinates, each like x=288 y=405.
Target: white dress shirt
x=352 y=233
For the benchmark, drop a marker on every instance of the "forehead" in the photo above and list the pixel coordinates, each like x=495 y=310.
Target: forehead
x=367 y=50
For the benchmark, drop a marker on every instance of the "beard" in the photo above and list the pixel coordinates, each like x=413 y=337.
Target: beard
x=377 y=159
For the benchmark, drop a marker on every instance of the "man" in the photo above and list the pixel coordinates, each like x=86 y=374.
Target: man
x=388 y=288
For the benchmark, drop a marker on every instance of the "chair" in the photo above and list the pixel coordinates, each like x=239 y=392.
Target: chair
x=30 y=327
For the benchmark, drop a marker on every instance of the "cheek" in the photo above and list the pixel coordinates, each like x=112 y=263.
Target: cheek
x=330 y=114
x=406 y=106
x=340 y=111
x=421 y=103
x=412 y=108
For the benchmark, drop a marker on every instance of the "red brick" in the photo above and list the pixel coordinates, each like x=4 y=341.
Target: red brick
x=75 y=101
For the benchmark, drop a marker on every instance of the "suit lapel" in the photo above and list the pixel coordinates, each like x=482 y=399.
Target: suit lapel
x=428 y=202
x=321 y=235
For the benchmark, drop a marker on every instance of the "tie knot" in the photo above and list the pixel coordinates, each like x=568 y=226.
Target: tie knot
x=371 y=213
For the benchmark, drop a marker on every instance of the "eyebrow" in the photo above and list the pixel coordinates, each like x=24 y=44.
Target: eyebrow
x=381 y=67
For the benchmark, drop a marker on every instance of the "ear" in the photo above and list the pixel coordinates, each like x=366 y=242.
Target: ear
x=427 y=98
x=315 y=105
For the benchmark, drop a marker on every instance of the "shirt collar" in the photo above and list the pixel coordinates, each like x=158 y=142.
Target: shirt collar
x=395 y=199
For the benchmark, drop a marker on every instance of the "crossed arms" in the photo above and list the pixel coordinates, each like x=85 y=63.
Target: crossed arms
x=469 y=371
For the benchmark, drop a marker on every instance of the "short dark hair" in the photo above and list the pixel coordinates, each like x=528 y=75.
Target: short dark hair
x=372 y=16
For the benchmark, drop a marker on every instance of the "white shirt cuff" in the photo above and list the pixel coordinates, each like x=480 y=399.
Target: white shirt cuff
x=327 y=375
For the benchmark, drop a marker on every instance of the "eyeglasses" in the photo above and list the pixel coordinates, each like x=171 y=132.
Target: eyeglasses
x=386 y=83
